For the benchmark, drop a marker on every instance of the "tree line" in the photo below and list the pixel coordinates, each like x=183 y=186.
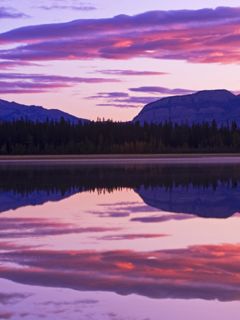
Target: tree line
x=108 y=137
x=66 y=179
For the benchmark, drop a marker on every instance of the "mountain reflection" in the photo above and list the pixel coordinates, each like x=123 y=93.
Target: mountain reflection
x=206 y=191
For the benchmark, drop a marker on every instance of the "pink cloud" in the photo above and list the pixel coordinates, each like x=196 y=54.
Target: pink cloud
x=206 y=35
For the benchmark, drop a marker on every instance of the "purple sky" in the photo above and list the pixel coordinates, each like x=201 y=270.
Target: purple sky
x=104 y=58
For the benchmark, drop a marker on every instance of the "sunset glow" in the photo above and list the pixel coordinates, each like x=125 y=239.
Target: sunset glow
x=57 y=55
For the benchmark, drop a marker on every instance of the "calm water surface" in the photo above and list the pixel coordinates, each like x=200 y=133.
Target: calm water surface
x=144 y=242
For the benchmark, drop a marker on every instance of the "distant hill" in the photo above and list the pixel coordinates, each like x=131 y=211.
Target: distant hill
x=10 y=111
x=203 y=106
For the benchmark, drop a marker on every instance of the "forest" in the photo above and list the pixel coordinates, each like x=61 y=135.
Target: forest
x=107 y=137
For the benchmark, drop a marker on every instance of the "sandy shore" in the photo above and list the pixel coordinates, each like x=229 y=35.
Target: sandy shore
x=121 y=159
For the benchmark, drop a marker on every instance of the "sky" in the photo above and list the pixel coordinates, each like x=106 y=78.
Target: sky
x=107 y=59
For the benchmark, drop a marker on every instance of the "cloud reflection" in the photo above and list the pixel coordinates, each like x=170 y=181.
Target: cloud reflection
x=204 y=272
x=132 y=236
x=162 y=218
x=9 y=298
x=11 y=228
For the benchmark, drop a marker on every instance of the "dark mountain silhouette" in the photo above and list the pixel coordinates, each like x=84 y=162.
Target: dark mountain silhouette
x=203 y=106
x=10 y=111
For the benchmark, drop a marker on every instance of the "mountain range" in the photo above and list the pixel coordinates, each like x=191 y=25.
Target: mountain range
x=10 y=111
x=203 y=106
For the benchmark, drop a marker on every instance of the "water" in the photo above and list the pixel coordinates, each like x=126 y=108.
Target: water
x=143 y=242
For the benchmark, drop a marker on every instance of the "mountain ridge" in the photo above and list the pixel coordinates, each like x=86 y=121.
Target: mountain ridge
x=203 y=106
x=12 y=111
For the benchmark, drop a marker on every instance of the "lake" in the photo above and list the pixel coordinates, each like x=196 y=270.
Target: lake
x=120 y=242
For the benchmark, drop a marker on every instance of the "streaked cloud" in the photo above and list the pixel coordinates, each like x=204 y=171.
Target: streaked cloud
x=117 y=105
x=69 y=7
x=10 y=13
x=38 y=83
x=162 y=90
x=7 y=65
x=120 y=99
x=125 y=100
x=206 y=35
x=131 y=72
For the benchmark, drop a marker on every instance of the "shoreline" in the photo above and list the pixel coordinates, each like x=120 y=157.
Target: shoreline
x=120 y=159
